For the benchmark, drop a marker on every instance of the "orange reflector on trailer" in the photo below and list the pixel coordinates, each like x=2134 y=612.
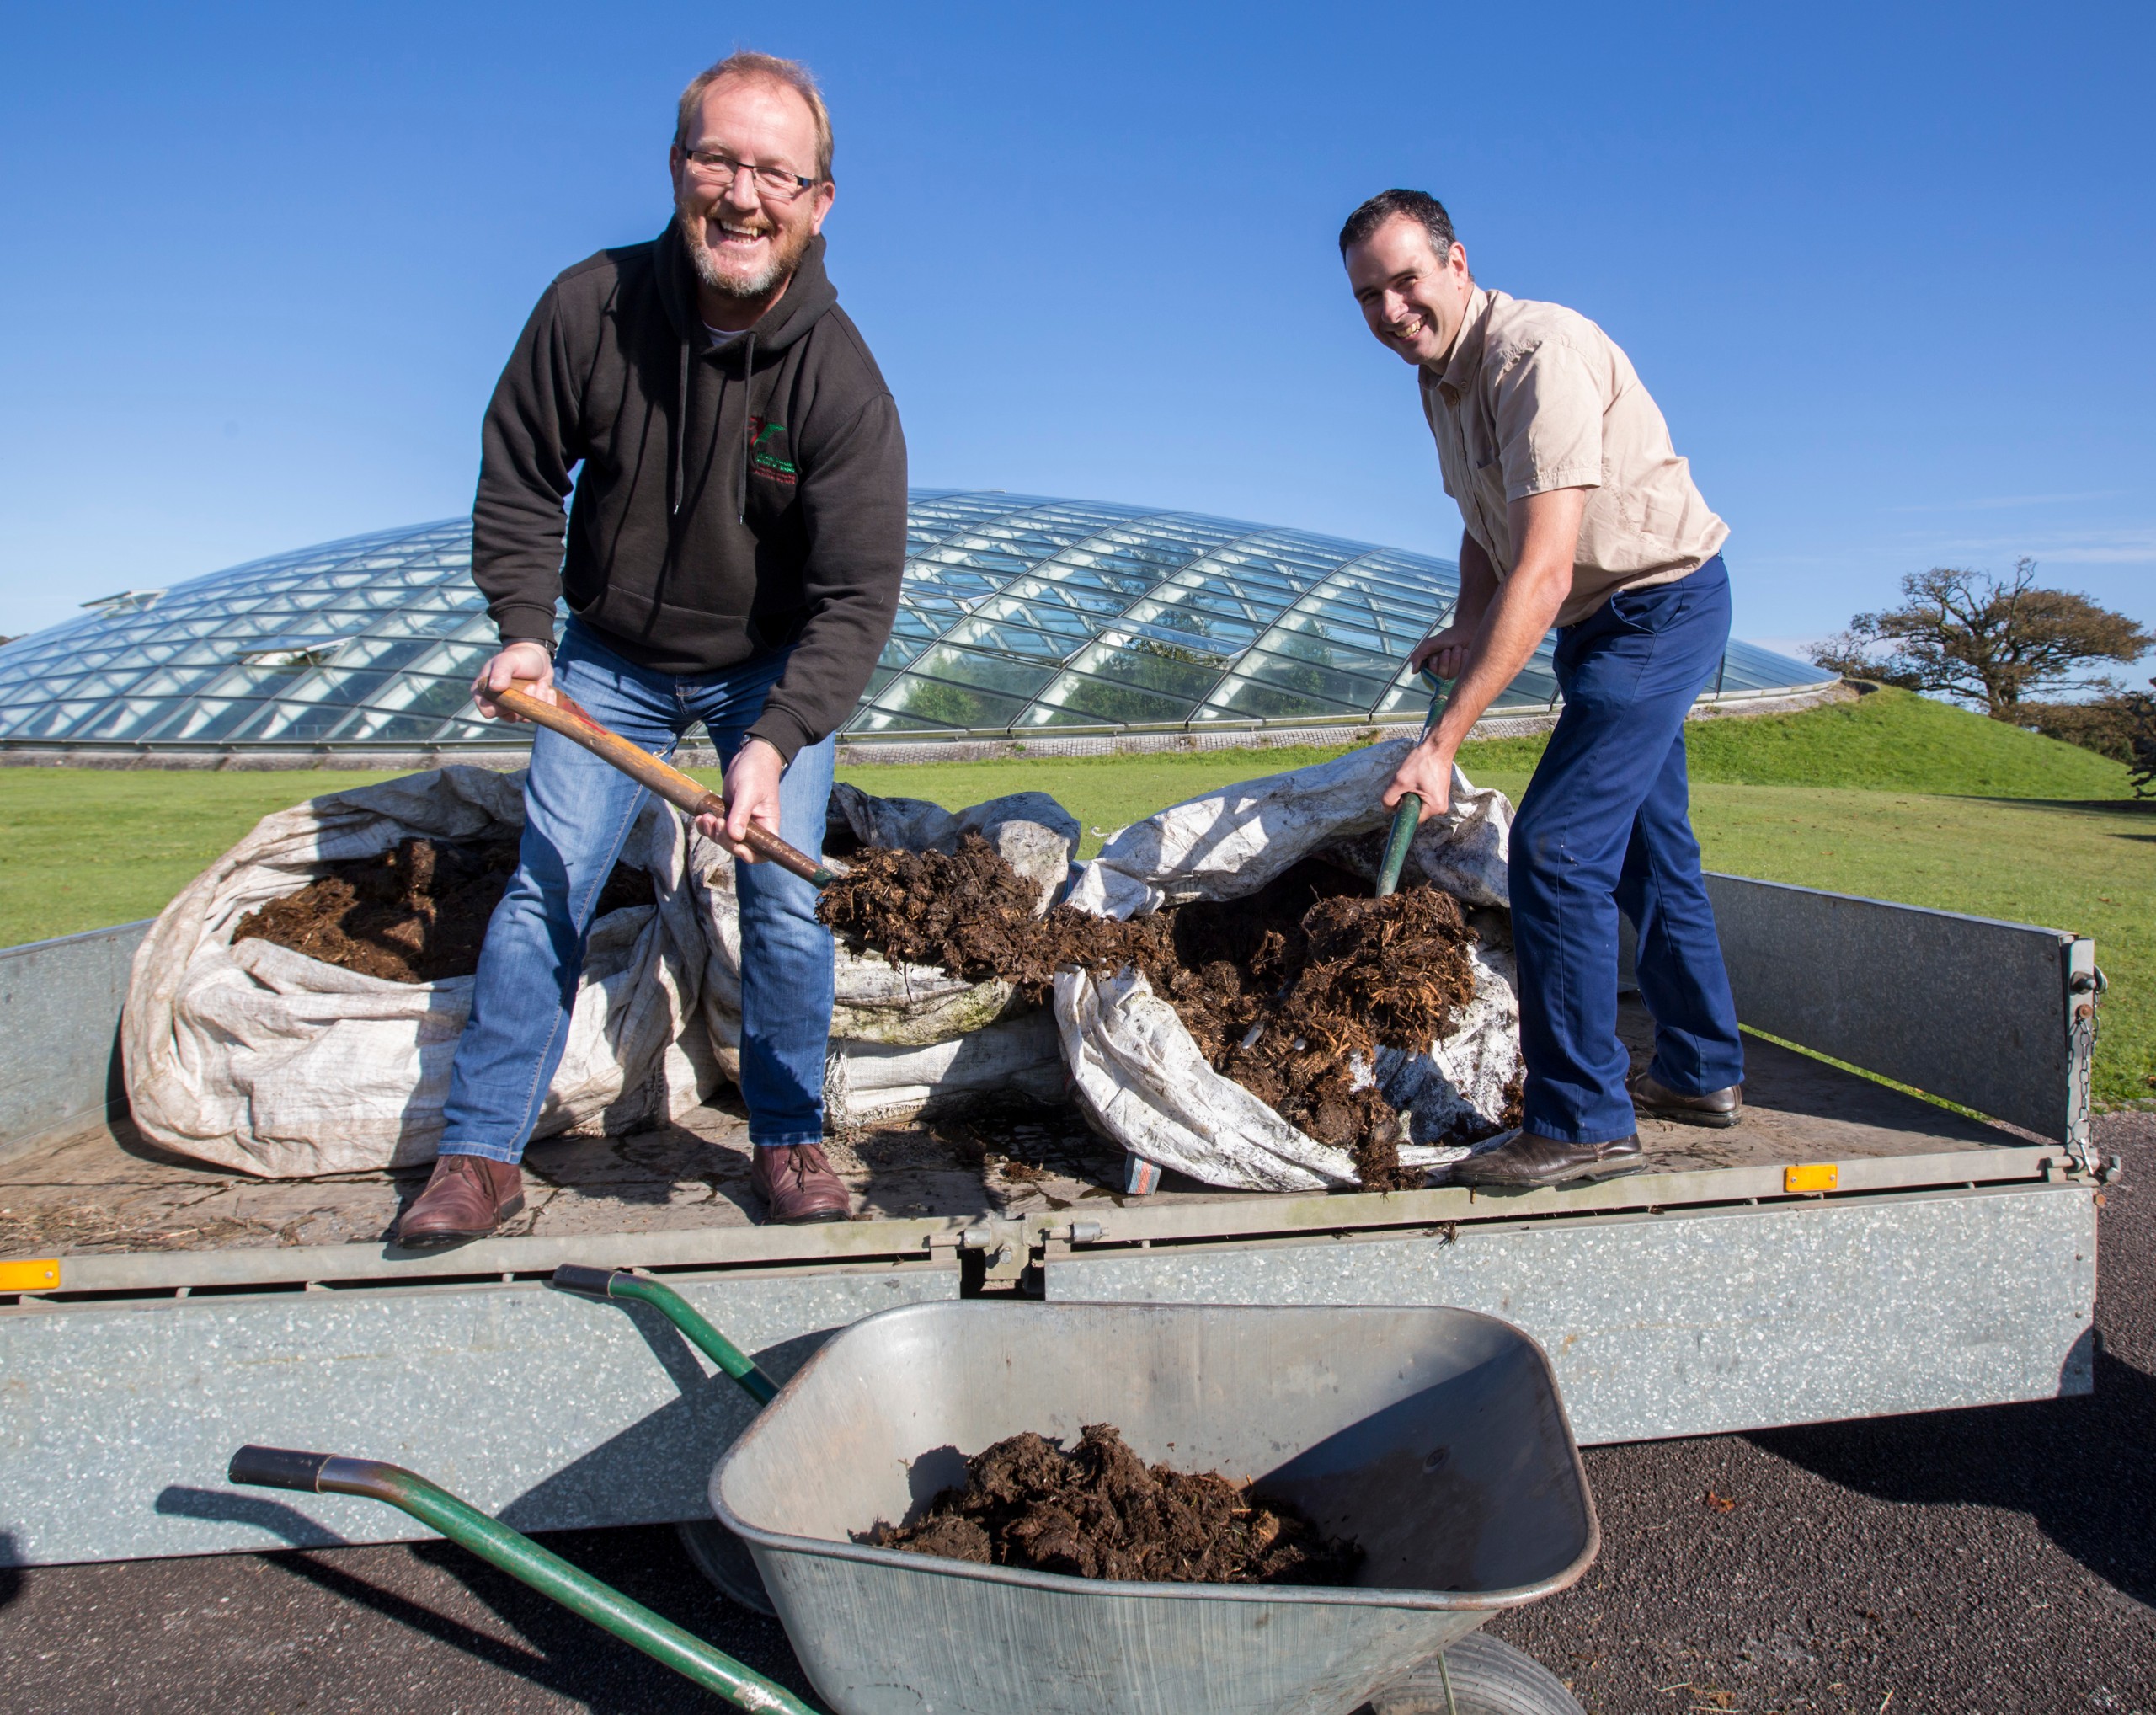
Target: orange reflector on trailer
x=1811 y=1176
x=42 y=1275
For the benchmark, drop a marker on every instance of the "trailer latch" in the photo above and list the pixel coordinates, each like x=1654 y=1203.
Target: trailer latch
x=2082 y=1023
x=1076 y=1232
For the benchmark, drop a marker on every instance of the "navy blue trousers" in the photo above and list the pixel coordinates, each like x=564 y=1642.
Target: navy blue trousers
x=1605 y=826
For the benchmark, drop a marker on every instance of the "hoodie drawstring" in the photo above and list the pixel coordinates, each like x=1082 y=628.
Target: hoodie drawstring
x=748 y=418
x=682 y=426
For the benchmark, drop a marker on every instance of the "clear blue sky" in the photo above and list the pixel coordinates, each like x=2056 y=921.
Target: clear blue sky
x=1886 y=268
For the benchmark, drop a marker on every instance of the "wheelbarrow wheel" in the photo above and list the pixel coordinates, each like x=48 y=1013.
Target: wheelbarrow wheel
x=723 y=1559
x=1489 y=1677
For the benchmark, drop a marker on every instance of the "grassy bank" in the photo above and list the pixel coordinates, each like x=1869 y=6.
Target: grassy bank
x=1888 y=741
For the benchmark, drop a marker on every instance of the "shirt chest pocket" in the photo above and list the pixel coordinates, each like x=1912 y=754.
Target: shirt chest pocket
x=1478 y=439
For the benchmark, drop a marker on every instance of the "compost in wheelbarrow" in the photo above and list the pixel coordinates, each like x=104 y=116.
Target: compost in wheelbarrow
x=1098 y=1510
x=1435 y=1437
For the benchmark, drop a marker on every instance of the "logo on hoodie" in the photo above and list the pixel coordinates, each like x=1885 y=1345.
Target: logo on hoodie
x=767 y=451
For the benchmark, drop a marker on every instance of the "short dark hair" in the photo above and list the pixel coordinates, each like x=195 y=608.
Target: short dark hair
x=1418 y=205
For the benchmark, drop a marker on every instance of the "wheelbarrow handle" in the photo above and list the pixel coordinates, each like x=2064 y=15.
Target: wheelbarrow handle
x=620 y=1283
x=684 y=793
x=522 y=1558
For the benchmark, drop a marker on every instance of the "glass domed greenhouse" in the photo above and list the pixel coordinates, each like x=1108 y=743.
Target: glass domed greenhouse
x=1020 y=615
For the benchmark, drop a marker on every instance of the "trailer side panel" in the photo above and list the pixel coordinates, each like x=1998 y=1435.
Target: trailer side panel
x=60 y=1005
x=549 y=1411
x=1700 y=1322
x=1979 y=1012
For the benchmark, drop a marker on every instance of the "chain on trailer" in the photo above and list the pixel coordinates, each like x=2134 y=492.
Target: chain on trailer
x=2084 y=1026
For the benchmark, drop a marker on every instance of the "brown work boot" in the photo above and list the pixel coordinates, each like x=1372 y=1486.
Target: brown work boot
x=1657 y=1101
x=467 y=1197
x=797 y=1184
x=1528 y=1158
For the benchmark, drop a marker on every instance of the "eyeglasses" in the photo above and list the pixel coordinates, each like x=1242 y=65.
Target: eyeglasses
x=775 y=183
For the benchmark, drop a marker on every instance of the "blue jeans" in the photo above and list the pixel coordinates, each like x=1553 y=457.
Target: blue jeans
x=578 y=814
x=1605 y=826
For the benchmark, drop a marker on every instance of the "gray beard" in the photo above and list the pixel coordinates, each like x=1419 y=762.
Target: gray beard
x=784 y=256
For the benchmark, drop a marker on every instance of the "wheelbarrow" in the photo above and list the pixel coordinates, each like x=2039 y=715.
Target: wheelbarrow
x=1433 y=1438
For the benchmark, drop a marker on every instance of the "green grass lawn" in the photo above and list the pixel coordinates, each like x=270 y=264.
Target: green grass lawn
x=89 y=846
x=1893 y=796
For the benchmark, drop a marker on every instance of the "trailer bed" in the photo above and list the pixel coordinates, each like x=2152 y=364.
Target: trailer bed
x=104 y=1191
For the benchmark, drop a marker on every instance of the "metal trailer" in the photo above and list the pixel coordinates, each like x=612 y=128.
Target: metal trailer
x=1851 y=1250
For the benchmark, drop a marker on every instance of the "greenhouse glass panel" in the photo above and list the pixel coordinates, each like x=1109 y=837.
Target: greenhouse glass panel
x=1079 y=700
x=292 y=722
x=59 y=719
x=1247 y=698
x=1008 y=639
x=982 y=671
x=1536 y=687
x=1074 y=609
x=910 y=702
x=1146 y=664
x=1355 y=692
x=207 y=720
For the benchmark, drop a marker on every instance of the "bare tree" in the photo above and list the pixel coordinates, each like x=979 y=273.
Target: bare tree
x=1984 y=639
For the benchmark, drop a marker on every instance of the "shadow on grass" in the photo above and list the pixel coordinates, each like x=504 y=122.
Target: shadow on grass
x=2091 y=806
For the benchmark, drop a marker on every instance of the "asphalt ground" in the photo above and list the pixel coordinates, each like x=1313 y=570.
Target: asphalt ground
x=1976 y=1561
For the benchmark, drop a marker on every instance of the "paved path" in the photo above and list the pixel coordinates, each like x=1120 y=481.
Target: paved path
x=1973 y=1563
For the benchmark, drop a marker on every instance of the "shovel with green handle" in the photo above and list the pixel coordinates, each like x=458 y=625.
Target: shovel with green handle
x=1407 y=814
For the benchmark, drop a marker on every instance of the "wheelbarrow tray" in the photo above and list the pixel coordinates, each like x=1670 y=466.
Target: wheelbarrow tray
x=1432 y=1437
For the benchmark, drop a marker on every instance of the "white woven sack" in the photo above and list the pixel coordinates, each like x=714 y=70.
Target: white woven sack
x=256 y=1057
x=907 y=1037
x=1134 y=1066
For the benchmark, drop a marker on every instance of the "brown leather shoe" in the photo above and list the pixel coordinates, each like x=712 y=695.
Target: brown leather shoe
x=797 y=1185
x=1657 y=1101
x=1529 y=1158
x=467 y=1197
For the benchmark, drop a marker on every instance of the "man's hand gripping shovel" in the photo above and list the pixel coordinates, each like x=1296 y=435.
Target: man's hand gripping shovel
x=1408 y=813
x=692 y=796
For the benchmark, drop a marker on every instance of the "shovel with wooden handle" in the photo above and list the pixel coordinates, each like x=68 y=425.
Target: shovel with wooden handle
x=563 y=716
x=1407 y=814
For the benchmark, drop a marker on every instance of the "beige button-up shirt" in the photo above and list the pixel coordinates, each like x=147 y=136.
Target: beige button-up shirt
x=1535 y=397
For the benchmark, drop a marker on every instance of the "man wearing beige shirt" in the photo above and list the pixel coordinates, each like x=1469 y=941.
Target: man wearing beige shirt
x=1579 y=514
